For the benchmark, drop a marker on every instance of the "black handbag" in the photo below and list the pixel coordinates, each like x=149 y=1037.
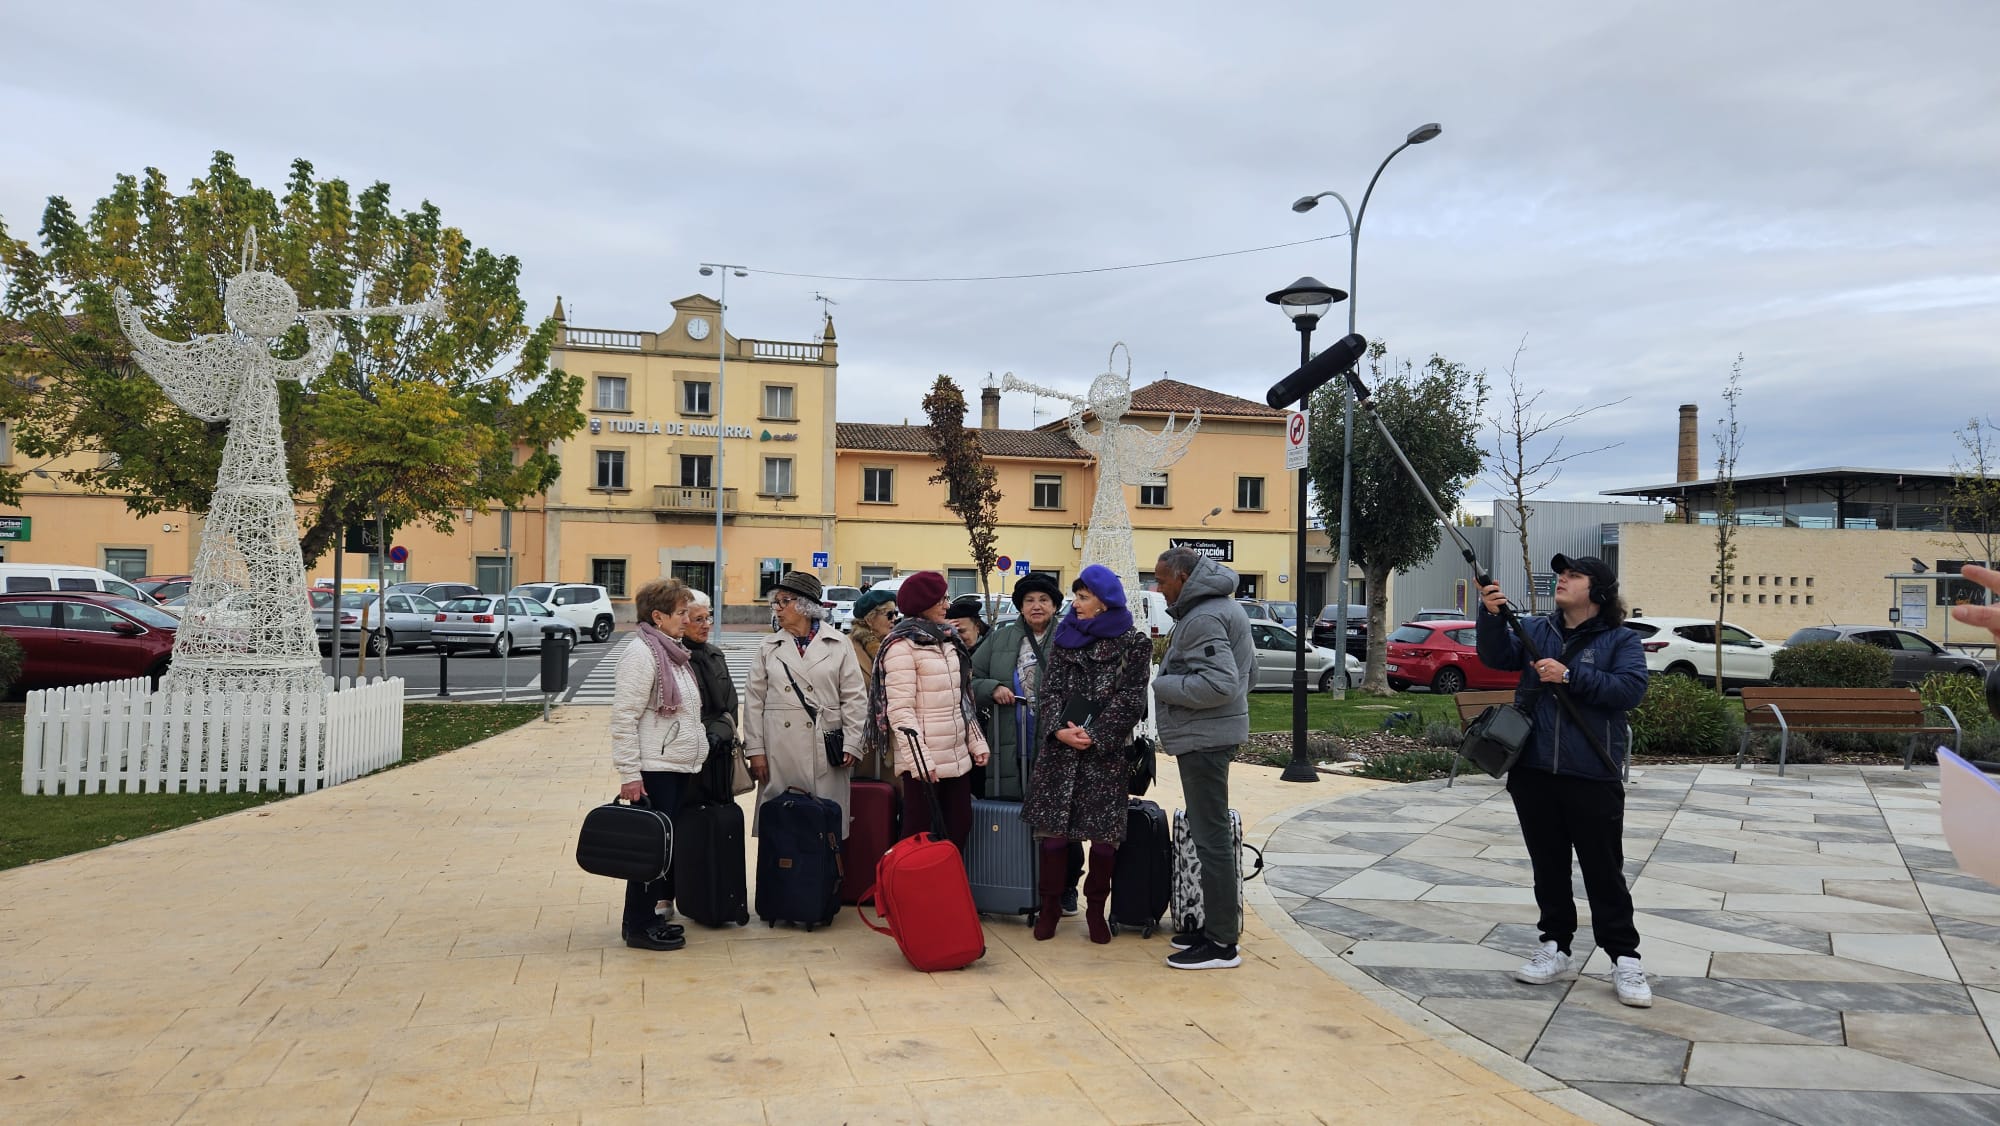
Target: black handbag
x=835 y=742
x=1142 y=765
x=626 y=842
x=1496 y=737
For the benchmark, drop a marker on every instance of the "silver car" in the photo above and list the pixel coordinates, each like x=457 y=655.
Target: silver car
x=1277 y=653
x=405 y=624
x=475 y=623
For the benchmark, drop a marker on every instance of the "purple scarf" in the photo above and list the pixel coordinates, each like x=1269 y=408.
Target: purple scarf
x=1075 y=633
x=666 y=651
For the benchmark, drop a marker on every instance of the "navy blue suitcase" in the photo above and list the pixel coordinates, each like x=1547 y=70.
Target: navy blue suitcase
x=798 y=860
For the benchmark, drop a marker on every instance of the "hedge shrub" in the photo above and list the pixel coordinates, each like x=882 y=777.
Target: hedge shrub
x=1831 y=664
x=1682 y=716
x=10 y=663
x=1964 y=695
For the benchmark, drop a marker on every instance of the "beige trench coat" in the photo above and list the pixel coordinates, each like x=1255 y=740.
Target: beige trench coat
x=775 y=725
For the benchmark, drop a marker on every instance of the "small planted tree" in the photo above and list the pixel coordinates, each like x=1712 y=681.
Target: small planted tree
x=1975 y=499
x=972 y=486
x=1728 y=443
x=1524 y=461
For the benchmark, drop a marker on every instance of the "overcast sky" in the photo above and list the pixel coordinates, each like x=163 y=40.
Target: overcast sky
x=1641 y=190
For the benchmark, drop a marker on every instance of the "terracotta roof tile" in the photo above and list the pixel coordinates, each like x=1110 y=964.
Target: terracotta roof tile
x=993 y=443
x=1163 y=396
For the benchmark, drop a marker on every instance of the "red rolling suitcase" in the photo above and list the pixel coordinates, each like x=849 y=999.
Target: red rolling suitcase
x=871 y=828
x=922 y=894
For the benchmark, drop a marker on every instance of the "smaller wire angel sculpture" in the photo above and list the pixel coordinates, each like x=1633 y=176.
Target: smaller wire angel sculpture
x=248 y=623
x=1126 y=455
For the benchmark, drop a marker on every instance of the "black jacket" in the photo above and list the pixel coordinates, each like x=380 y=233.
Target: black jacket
x=718 y=715
x=1607 y=679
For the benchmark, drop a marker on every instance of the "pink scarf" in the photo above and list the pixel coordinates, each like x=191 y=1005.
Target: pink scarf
x=666 y=651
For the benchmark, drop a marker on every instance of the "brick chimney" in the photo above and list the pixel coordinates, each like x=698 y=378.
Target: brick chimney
x=1688 y=468
x=989 y=408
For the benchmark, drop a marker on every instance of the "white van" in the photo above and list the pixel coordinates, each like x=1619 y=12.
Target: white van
x=34 y=578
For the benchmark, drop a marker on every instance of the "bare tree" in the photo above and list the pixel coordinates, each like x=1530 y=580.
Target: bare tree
x=1974 y=507
x=1728 y=443
x=972 y=486
x=1522 y=464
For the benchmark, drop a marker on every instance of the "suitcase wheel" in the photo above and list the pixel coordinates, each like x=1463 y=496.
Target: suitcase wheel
x=1033 y=916
x=1115 y=928
x=1148 y=932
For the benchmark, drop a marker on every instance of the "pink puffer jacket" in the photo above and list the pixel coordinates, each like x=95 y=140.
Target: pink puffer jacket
x=921 y=688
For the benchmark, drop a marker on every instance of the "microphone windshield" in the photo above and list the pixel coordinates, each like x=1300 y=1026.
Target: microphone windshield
x=1316 y=372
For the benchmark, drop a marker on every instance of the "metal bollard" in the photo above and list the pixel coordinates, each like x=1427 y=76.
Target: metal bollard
x=444 y=673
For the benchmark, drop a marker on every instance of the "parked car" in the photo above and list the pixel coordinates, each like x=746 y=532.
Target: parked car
x=1443 y=656
x=839 y=603
x=1277 y=658
x=164 y=588
x=1913 y=656
x=31 y=578
x=475 y=623
x=405 y=624
x=1686 y=647
x=1357 y=629
x=586 y=606
x=1264 y=610
x=1442 y=614
x=439 y=593
x=81 y=637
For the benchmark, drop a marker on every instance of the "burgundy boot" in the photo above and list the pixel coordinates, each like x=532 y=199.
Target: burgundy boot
x=1051 y=878
x=1096 y=888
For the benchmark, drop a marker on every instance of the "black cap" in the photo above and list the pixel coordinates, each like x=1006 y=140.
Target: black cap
x=1603 y=580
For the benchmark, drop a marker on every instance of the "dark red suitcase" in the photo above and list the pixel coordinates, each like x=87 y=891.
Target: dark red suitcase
x=871 y=829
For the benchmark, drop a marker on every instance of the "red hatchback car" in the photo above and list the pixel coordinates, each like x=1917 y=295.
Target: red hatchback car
x=76 y=637
x=1440 y=656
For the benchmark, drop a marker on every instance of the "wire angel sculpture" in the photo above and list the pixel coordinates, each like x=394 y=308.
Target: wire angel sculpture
x=248 y=622
x=1126 y=455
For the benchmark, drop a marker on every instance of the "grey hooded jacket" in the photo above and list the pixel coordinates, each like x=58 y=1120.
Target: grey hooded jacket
x=1203 y=686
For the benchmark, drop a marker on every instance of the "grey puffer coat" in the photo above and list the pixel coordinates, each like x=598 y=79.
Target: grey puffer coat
x=1203 y=687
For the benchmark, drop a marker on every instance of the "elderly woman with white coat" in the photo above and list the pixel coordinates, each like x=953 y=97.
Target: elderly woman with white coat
x=658 y=743
x=923 y=684
x=805 y=683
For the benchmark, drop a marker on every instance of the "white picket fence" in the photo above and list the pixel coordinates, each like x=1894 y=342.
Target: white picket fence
x=121 y=737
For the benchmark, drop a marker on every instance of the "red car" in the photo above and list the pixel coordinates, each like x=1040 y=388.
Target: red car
x=77 y=637
x=1440 y=656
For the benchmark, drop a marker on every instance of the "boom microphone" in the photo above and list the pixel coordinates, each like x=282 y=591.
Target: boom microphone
x=1318 y=371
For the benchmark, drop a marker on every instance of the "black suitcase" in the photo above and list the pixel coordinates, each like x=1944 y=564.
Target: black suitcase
x=1000 y=856
x=626 y=842
x=709 y=880
x=798 y=859
x=1142 y=876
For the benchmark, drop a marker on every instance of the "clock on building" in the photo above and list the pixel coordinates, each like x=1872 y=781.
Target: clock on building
x=698 y=328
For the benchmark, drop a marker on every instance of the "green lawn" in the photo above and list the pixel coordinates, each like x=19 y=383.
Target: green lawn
x=43 y=827
x=1272 y=711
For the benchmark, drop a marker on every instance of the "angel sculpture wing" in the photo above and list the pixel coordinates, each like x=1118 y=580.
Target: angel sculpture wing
x=185 y=371
x=1155 y=452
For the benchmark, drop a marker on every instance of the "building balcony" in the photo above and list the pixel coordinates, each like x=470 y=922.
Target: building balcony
x=677 y=500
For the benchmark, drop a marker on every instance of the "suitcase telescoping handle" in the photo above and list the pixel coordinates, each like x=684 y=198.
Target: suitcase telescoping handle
x=924 y=775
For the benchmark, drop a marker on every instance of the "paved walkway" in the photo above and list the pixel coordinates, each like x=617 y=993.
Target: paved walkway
x=1817 y=957
x=419 y=946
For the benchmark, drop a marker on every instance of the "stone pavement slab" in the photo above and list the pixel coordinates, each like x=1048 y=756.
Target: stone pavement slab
x=1816 y=956
x=419 y=946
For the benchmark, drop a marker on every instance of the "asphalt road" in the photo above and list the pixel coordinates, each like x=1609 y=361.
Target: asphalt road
x=477 y=676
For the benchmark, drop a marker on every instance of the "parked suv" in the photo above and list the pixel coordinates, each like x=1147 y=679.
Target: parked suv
x=839 y=603
x=81 y=637
x=1913 y=656
x=582 y=605
x=1686 y=646
x=28 y=578
x=1357 y=630
x=438 y=592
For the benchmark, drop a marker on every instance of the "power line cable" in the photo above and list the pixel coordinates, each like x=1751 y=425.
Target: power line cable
x=1049 y=273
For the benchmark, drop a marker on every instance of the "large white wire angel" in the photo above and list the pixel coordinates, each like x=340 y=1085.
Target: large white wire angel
x=248 y=623
x=1126 y=455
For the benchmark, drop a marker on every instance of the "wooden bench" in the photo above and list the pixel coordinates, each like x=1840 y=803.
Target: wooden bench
x=1871 y=711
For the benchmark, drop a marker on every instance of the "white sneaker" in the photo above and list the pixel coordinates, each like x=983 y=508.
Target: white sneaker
x=1630 y=978
x=1548 y=964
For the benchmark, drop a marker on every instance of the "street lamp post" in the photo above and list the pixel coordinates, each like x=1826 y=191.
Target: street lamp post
x=1304 y=204
x=711 y=269
x=1305 y=301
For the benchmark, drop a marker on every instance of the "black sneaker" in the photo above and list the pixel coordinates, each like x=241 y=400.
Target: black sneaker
x=1069 y=903
x=663 y=936
x=1183 y=940
x=1206 y=956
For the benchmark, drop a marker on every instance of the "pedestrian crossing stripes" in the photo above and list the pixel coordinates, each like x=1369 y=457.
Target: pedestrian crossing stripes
x=601 y=684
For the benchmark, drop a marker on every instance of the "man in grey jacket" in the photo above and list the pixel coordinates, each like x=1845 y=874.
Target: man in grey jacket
x=1203 y=692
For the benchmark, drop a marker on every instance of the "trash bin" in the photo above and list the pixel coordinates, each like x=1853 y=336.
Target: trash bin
x=555 y=659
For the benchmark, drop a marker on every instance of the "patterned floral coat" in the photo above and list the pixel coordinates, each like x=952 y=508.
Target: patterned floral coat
x=1081 y=794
